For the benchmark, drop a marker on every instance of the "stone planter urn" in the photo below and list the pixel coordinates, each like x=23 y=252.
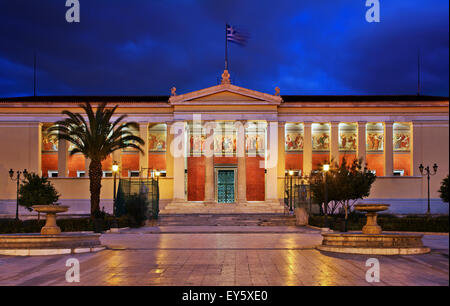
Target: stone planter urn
x=301 y=216
x=50 y=227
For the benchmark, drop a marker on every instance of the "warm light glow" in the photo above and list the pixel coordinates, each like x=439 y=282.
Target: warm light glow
x=157 y=173
x=291 y=172
x=115 y=167
x=326 y=167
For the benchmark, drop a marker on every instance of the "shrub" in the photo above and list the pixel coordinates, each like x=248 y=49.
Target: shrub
x=136 y=210
x=444 y=190
x=36 y=190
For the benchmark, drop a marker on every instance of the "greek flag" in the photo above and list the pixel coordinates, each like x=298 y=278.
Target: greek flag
x=238 y=37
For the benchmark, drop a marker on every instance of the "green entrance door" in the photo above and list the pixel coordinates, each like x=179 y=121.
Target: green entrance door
x=225 y=186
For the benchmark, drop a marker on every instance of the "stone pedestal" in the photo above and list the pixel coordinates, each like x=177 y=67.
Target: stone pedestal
x=50 y=227
x=301 y=217
x=371 y=226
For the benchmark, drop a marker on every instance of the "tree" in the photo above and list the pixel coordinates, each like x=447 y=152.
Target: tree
x=96 y=139
x=346 y=183
x=444 y=190
x=36 y=190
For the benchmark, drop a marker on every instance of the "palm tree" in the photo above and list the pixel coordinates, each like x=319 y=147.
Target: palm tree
x=96 y=139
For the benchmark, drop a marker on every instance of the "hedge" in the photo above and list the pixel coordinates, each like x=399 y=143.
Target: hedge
x=10 y=226
x=388 y=222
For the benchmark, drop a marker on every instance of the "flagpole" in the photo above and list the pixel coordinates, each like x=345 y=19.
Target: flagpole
x=226 y=47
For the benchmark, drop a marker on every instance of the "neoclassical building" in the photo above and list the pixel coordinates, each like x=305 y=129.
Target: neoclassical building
x=236 y=146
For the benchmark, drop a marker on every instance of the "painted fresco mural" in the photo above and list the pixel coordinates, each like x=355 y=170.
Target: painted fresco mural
x=294 y=137
x=401 y=137
x=224 y=138
x=375 y=136
x=157 y=138
x=49 y=144
x=348 y=137
x=320 y=137
x=135 y=131
x=255 y=138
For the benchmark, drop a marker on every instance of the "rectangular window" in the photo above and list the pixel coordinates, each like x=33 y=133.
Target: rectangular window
x=320 y=144
x=402 y=148
x=49 y=151
x=348 y=141
x=293 y=146
x=107 y=174
x=81 y=173
x=133 y=173
x=375 y=147
x=52 y=173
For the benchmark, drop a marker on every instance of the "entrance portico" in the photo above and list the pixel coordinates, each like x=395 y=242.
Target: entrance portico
x=224 y=137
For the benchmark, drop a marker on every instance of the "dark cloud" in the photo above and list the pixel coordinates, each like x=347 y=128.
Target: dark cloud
x=143 y=47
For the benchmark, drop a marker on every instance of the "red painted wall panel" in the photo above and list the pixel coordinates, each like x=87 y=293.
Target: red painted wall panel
x=402 y=161
x=196 y=178
x=225 y=160
x=349 y=157
x=255 y=177
x=49 y=162
x=294 y=161
x=157 y=161
x=375 y=162
x=76 y=163
x=319 y=159
x=129 y=162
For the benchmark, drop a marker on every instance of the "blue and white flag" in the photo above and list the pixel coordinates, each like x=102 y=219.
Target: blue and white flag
x=238 y=37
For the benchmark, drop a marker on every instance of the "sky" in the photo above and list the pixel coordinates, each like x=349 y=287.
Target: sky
x=145 y=47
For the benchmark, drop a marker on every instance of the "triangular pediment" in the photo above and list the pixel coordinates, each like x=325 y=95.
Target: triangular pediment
x=224 y=94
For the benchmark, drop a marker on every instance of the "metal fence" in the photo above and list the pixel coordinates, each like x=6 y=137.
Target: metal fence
x=147 y=188
x=297 y=194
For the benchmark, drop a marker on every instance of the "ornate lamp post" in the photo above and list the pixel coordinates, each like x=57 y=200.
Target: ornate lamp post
x=428 y=174
x=291 y=174
x=326 y=168
x=11 y=176
x=157 y=174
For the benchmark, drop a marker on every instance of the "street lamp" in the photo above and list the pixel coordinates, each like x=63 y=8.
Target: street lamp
x=326 y=168
x=428 y=174
x=291 y=173
x=11 y=176
x=157 y=174
x=115 y=169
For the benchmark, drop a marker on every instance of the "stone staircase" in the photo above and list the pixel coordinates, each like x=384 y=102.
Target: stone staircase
x=226 y=220
x=215 y=208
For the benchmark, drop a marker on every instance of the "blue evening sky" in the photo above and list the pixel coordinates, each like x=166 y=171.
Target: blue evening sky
x=144 y=47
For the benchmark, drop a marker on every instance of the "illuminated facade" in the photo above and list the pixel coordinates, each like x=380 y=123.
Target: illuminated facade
x=392 y=134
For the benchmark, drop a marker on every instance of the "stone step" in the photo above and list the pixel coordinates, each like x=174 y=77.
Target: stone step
x=226 y=220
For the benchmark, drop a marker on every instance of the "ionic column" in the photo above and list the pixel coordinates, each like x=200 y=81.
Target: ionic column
x=272 y=162
x=169 y=156
x=388 y=149
x=209 y=162
x=63 y=158
x=416 y=148
x=307 y=148
x=281 y=166
x=361 y=153
x=241 y=169
x=334 y=148
x=143 y=157
x=178 y=151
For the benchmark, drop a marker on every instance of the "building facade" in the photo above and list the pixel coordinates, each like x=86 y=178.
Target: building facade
x=227 y=149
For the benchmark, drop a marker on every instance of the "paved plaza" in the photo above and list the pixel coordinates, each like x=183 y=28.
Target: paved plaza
x=226 y=255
